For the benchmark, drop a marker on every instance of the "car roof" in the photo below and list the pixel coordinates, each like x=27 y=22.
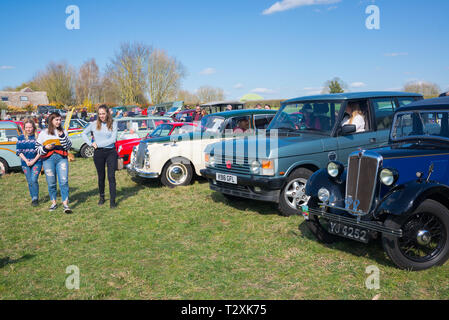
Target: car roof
x=242 y=112
x=6 y=124
x=353 y=95
x=214 y=103
x=142 y=118
x=427 y=104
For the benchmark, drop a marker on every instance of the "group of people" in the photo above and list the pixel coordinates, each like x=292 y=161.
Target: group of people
x=49 y=150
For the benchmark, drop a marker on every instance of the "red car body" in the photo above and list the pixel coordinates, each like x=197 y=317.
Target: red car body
x=125 y=147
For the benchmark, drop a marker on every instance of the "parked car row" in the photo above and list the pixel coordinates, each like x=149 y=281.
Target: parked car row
x=387 y=179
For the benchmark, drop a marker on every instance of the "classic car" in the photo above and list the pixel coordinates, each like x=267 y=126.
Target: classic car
x=9 y=133
x=398 y=193
x=76 y=126
x=125 y=147
x=220 y=106
x=175 y=159
x=128 y=128
x=301 y=139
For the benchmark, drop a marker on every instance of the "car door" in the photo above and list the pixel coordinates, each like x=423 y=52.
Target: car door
x=8 y=144
x=364 y=140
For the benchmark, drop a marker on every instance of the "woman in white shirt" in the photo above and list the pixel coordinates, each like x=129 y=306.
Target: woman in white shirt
x=354 y=116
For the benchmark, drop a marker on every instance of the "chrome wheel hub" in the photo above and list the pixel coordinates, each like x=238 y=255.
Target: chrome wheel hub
x=295 y=193
x=424 y=237
x=177 y=174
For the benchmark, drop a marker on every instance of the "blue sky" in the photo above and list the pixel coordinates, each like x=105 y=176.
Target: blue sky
x=234 y=45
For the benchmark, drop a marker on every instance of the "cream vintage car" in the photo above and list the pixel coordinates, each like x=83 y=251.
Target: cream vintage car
x=175 y=159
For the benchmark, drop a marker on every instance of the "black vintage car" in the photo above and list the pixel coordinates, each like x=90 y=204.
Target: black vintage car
x=399 y=193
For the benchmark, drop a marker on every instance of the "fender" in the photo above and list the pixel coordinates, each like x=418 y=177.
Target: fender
x=321 y=179
x=406 y=198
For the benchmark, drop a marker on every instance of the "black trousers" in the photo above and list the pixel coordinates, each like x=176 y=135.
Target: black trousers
x=103 y=158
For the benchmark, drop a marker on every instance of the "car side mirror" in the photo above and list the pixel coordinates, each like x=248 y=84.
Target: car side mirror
x=348 y=129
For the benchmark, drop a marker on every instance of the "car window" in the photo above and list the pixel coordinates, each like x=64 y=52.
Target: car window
x=8 y=135
x=383 y=110
x=262 y=121
x=403 y=101
x=122 y=126
x=140 y=125
x=159 y=122
x=422 y=124
x=239 y=124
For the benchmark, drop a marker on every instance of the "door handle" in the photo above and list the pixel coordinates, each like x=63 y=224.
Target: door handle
x=373 y=140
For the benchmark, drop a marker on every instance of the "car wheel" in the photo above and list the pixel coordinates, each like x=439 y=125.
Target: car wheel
x=425 y=240
x=87 y=151
x=176 y=173
x=4 y=168
x=293 y=195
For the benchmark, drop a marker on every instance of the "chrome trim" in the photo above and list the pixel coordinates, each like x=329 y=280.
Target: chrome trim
x=370 y=225
x=134 y=172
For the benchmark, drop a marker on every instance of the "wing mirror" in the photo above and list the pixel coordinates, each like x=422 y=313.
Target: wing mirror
x=348 y=129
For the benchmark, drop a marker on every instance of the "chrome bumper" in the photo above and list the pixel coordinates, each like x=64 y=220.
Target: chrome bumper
x=134 y=172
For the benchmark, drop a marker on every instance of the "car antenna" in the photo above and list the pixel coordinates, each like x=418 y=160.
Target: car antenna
x=431 y=168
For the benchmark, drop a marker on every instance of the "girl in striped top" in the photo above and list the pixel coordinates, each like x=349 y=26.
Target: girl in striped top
x=53 y=145
x=31 y=162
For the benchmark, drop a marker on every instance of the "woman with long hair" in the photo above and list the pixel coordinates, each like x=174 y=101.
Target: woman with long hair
x=104 y=131
x=354 y=116
x=31 y=162
x=53 y=145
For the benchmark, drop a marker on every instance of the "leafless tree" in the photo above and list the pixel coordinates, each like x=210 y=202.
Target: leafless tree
x=128 y=72
x=58 y=81
x=88 y=83
x=164 y=76
x=208 y=94
x=427 y=89
x=188 y=97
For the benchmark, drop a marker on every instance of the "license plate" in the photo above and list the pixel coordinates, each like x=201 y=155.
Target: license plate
x=347 y=231
x=227 y=178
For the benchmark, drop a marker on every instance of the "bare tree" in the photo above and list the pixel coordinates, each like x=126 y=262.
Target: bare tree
x=58 y=81
x=128 y=72
x=427 y=89
x=208 y=94
x=88 y=83
x=188 y=97
x=164 y=76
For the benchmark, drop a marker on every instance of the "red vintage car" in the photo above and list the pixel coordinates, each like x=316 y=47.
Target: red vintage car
x=125 y=147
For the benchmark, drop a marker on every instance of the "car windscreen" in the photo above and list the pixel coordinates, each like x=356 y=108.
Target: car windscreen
x=310 y=116
x=212 y=124
x=421 y=124
x=161 y=131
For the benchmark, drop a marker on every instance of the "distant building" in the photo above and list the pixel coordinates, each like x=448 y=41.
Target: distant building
x=23 y=97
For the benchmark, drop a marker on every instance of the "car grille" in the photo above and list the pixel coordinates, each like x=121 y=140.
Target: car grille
x=238 y=166
x=361 y=183
x=140 y=156
x=232 y=186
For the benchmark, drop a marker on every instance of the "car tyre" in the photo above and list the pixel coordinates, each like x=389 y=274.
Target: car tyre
x=87 y=151
x=316 y=226
x=293 y=194
x=176 y=173
x=4 y=168
x=425 y=240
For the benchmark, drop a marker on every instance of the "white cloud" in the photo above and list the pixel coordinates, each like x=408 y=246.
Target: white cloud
x=239 y=86
x=312 y=91
x=208 y=71
x=284 y=5
x=263 y=90
x=6 y=67
x=357 y=85
x=396 y=54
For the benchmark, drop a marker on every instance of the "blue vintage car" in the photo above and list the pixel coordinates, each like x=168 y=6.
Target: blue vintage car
x=305 y=134
x=399 y=193
x=9 y=133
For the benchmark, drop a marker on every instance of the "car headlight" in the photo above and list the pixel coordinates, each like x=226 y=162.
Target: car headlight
x=388 y=177
x=267 y=168
x=209 y=160
x=147 y=159
x=255 y=167
x=324 y=195
x=335 y=169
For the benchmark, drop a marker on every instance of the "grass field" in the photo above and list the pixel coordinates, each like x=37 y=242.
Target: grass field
x=187 y=243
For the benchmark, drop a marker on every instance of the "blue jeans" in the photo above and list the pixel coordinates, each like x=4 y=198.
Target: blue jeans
x=32 y=175
x=57 y=166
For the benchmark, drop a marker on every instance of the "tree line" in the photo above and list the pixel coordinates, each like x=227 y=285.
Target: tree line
x=136 y=74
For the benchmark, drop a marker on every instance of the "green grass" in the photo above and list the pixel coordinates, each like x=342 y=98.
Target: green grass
x=187 y=243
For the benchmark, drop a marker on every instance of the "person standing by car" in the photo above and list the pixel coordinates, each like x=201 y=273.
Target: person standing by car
x=53 y=145
x=31 y=162
x=104 y=131
x=197 y=115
